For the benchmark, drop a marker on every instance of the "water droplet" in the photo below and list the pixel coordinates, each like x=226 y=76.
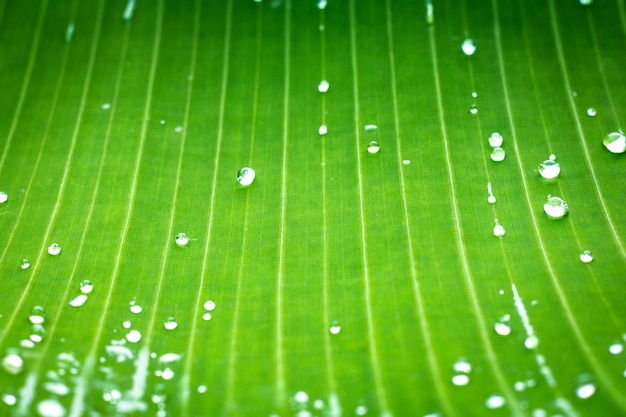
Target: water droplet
x=555 y=208
x=3 y=197
x=585 y=390
x=495 y=140
x=468 y=47
x=498 y=229
x=502 y=329
x=37 y=315
x=519 y=386
x=473 y=109
x=373 y=147
x=586 y=256
x=321 y=4
x=133 y=336
x=491 y=199
x=126 y=324
x=591 y=112
x=169 y=358
x=9 y=399
x=335 y=327
x=406 y=162
x=136 y=309
x=27 y=344
x=170 y=323
x=202 y=389
x=460 y=380
x=615 y=142
x=586 y=2
x=79 y=300
x=13 y=363
x=209 y=305
x=51 y=408
x=497 y=154
x=106 y=106
x=182 y=239
x=495 y=401
x=54 y=249
x=301 y=397
x=323 y=86
x=245 y=176
x=178 y=129
x=206 y=316
x=531 y=342
x=462 y=365
x=57 y=388
x=501 y=292
x=167 y=374
x=361 y=410
x=323 y=130
x=474 y=94
x=25 y=264
x=549 y=168
x=616 y=348
x=86 y=286
x=430 y=12
x=319 y=404
x=371 y=128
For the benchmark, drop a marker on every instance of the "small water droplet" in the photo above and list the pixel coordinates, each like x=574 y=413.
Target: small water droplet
x=170 y=323
x=335 y=327
x=498 y=229
x=209 y=305
x=531 y=342
x=430 y=12
x=37 y=315
x=13 y=363
x=591 y=112
x=9 y=399
x=79 y=300
x=497 y=154
x=25 y=264
x=585 y=390
x=3 y=197
x=182 y=239
x=491 y=199
x=57 y=388
x=178 y=129
x=133 y=336
x=501 y=292
x=549 y=168
x=373 y=147
x=321 y=4
x=301 y=397
x=519 y=386
x=54 y=249
x=86 y=286
x=474 y=94
x=616 y=348
x=495 y=140
x=495 y=401
x=406 y=162
x=502 y=329
x=323 y=130
x=468 y=47
x=462 y=365
x=202 y=389
x=361 y=410
x=615 y=142
x=136 y=309
x=126 y=324
x=245 y=176
x=460 y=380
x=51 y=408
x=586 y=2
x=106 y=106
x=371 y=128
x=206 y=316
x=162 y=122
x=586 y=256
x=27 y=344
x=555 y=208
x=323 y=86
x=169 y=358
x=167 y=374
x=473 y=109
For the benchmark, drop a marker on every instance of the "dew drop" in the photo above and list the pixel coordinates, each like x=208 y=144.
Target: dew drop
x=473 y=109
x=245 y=176
x=371 y=128
x=502 y=329
x=323 y=86
x=169 y=358
x=3 y=197
x=54 y=249
x=491 y=199
x=586 y=256
x=555 y=208
x=519 y=386
x=591 y=112
x=206 y=316
x=335 y=327
x=13 y=363
x=86 y=286
x=495 y=401
x=126 y=324
x=202 y=389
x=474 y=94
x=170 y=323
x=549 y=168
x=498 y=229
x=178 y=129
x=323 y=130
x=9 y=399
x=462 y=366
x=468 y=47
x=615 y=142
x=616 y=348
x=51 y=408
x=460 y=380
x=406 y=162
x=209 y=305
x=167 y=374
x=37 y=315
x=301 y=397
x=182 y=239
x=79 y=300
x=106 y=106
x=531 y=342
x=321 y=4
x=57 y=388
x=373 y=147
x=136 y=309
x=361 y=410
x=495 y=140
x=585 y=390
x=497 y=154
x=133 y=336
x=25 y=264
x=586 y=2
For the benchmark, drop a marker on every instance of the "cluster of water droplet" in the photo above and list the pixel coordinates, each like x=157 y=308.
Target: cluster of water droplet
x=461 y=372
x=497 y=152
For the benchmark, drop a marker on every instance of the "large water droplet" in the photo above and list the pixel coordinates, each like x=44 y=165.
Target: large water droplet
x=591 y=112
x=497 y=154
x=37 y=315
x=79 y=300
x=460 y=380
x=502 y=329
x=615 y=142
x=54 y=249
x=323 y=86
x=586 y=256
x=616 y=348
x=51 y=408
x=182 y=239
x=245 y=176
x=549 y=169
x=373 y=147
x=335 y=327
x=86 y=286
x=170 y=323
x=25 y=264
x=3 y=197
x=13 y=363
x=556 y=207
x=133 y=336
x=468 y=47
x=495 y=140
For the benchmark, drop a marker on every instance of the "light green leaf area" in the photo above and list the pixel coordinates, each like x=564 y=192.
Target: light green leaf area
x=378 y=257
